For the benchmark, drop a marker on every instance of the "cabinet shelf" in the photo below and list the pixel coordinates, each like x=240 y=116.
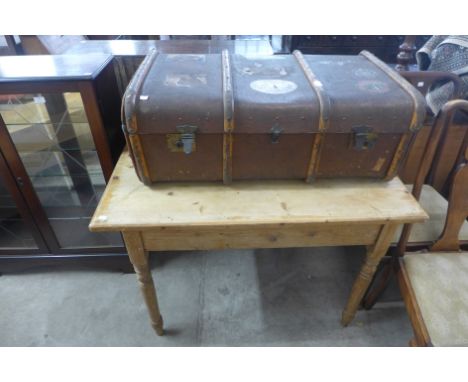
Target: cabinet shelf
x=95 y=175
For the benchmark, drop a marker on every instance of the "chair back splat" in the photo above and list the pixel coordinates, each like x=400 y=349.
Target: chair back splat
x=457 y=211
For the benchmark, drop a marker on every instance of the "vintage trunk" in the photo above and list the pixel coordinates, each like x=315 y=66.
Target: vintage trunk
x=229 y=117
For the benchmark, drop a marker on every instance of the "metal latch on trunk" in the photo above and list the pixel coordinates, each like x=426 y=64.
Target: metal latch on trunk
x=275 y=132
x=363 y=137
x=184 y=141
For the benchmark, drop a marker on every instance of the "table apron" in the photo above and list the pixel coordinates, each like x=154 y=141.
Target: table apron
x=270 y=236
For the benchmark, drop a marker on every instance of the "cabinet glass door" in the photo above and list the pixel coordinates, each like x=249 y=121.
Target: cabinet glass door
x=53 y=138
x=15 y=233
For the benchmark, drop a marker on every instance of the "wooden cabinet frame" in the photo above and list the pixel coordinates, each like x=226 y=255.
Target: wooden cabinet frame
x=103 y=116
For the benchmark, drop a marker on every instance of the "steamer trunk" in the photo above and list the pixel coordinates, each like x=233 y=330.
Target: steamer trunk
x=224 y=117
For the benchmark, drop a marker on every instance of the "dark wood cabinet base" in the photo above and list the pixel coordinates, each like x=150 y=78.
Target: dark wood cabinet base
x=117 y=262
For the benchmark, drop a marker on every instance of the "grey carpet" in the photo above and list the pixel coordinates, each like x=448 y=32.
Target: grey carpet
x=282 y=297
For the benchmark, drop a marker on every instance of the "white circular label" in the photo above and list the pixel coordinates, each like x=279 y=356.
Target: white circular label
x=273 y=86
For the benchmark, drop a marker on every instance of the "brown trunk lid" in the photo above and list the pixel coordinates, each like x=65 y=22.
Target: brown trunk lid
x=177 y=90
x=272 y=92
x=363 y=91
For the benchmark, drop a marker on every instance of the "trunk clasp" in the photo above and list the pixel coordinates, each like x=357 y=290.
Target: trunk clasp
x=364 y=138
x=275 y=132
x=186 y=139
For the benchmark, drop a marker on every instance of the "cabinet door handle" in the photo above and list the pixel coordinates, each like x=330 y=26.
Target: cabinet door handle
x=20 y=182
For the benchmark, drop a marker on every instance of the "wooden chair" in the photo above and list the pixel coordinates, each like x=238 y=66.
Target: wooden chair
x=434 y=284
x=423 y=80
x=454 y=135
x=430 y=199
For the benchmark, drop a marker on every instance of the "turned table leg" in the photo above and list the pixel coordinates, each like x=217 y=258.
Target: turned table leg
x=139 y=258
x=373 y=257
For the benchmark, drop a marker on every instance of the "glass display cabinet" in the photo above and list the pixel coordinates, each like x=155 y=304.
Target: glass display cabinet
x=59 y=140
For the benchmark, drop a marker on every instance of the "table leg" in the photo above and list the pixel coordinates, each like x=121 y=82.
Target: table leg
x=373 y=257
x=139 y=258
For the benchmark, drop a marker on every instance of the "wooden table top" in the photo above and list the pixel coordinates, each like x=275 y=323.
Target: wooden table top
x=127 y=204
x=142 y=47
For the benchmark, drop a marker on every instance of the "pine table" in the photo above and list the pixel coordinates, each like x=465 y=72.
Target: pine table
x=260 y=214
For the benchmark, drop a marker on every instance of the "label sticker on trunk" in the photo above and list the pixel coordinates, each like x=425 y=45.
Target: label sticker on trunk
x=186 y=57
x=373 y=87
x=185 y=80
x=365 y=73
x=273 y=86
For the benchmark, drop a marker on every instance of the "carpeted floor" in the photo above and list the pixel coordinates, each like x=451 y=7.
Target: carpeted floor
x=281 y=297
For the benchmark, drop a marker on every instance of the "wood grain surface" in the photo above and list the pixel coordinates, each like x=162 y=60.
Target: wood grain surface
x=127 y=204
